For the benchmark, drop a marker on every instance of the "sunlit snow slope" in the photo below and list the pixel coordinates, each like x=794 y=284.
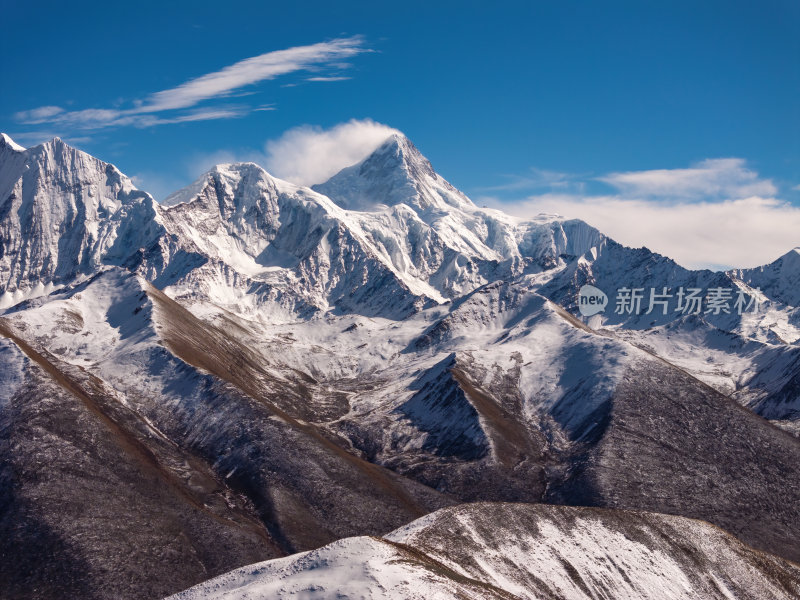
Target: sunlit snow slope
x=517 y=551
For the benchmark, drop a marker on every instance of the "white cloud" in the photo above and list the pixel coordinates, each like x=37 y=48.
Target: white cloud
x=93 y=119
x=337 y=78
x=717 y=213
x=535 y=179
x=304 y=155
x=744 y=232
x=307 y=155
x=196 y=115
x=252 y=70
x=225 y=83
x=712 y=178
x=38 y=115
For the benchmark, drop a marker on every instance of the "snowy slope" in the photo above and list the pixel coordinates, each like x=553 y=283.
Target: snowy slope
x=518 y=551
x=723 y=348
x=198 y=472
x=361 y=567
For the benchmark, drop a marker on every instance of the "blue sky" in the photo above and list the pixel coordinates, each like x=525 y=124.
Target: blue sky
x=571 y=107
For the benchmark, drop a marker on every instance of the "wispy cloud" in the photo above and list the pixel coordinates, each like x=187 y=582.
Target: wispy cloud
x=252 y=70
x=536 y=179
x=34 y=138
x=337 y=78
x=177 y=105
x=38 y=115
x=711 y=178
x=716 y=214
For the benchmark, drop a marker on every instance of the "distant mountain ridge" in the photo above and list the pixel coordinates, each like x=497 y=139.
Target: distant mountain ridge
x=429 y=237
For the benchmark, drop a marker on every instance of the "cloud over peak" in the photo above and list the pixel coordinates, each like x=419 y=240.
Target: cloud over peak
x=308 y=155
x=304 y=155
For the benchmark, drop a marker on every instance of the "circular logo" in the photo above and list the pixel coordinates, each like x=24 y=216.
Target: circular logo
x=591 y=300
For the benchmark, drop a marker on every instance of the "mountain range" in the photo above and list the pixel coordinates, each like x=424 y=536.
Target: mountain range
x=375 y=375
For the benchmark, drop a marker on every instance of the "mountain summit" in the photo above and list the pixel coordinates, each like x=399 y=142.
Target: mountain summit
x=395 y=173
x=64 y=213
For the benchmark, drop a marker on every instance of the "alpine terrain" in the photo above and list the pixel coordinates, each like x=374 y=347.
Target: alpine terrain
x=373 y=388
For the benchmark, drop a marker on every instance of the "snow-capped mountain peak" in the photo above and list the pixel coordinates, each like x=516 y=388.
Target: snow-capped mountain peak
x=7 y=142
x=64 y=213
x=240 y=182
x=780 y=277
x=395 y=173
